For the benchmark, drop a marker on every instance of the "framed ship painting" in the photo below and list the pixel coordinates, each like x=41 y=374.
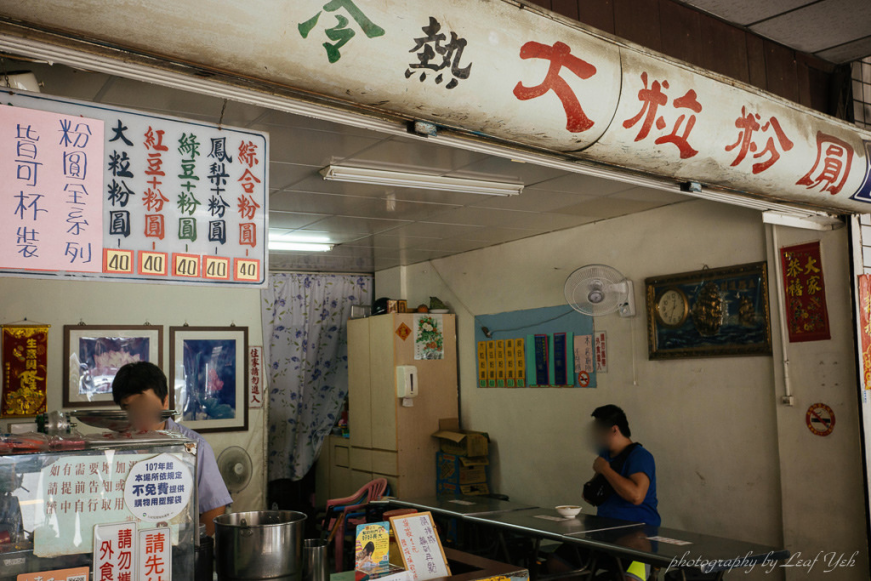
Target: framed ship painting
x=715 y=312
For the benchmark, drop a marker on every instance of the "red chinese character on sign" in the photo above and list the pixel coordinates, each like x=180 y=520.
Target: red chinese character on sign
x=247 y=207
x=154 y=200
x=248 y=234
x=125 y=539
x=154 y=565
x=106 y=551
x=748 y=124
x=154 y=140
x=155 y=543
x=652 y=98
x=832 y=166
x=560 y=55
x=107 y=571
x=249 y=181
x=154 y=226
x=248 y=153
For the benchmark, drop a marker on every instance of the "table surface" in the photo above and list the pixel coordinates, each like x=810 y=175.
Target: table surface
x=547 y=522
x=705 y=552
x=461 y=507
x=620 y=538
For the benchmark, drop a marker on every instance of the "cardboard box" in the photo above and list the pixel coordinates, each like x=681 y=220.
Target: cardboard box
x=460 y=470
x=464 y=490
x=461 y=442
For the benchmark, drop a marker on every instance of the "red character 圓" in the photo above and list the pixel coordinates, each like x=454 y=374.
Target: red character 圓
x=154 y=226
x=652 y=98
x=248 y=234
x=832 y=166
x=748 y=124
x=560 y=55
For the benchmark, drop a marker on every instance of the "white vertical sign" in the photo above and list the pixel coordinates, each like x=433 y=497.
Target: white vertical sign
x=114 y=551
x=584 y=354
x=155 y=555
x=601 y=338
x=256 y=379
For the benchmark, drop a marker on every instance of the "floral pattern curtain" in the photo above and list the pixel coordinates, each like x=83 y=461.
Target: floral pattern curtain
x=305 y=338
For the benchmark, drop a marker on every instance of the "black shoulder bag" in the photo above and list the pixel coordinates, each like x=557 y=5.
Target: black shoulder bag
x=598 y=490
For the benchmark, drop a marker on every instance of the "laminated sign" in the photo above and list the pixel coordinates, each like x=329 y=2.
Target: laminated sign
x=103 y=192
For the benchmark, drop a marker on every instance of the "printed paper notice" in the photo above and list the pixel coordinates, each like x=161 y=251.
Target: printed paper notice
x=158 y=489
x=420 y=546
x=429 y=339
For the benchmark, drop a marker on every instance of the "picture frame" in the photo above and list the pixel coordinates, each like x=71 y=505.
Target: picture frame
x=209 y=376
x=94 y=353
x=714 y=312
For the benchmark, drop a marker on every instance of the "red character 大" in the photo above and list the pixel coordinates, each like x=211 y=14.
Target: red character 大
x=652 y=98
x=748 y=124
x=832 y=166
x=560 y=55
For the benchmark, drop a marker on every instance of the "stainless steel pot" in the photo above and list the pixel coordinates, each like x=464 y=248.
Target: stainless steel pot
x=259 y=545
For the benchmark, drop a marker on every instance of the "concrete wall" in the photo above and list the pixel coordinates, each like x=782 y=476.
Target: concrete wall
x=730 y=460
x=60 y=303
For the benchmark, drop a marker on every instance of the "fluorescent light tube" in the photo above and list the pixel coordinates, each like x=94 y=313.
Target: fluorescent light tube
x=299 y=237
x=358 y=175
x=288 y=246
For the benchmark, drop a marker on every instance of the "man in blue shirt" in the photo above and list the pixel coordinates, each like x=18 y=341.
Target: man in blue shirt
x=141 y=389
x=634 y=484
x=631 y=480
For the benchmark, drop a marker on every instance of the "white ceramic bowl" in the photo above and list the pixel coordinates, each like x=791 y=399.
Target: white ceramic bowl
x=569 y=510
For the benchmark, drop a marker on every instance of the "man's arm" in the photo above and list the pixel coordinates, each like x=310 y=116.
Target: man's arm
x=208 y=519
x=632 y=489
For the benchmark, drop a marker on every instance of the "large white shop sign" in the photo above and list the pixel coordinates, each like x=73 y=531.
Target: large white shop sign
x=500 y=69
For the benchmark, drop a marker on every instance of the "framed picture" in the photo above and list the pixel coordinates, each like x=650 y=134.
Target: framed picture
x=210 y=377
x=709 y=313
x=93 y=354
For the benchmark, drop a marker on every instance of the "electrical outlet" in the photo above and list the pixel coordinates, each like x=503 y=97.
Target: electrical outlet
x=788 y=400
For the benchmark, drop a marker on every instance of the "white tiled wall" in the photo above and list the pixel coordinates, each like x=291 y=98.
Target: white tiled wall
x=865 y=236
x=862 y=92
x=862 y=112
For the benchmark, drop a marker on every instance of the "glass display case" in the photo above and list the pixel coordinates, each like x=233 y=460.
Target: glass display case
x=125 y=507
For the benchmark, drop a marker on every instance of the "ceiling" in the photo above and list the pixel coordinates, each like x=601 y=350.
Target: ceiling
x=375 y=227
x=838 y=31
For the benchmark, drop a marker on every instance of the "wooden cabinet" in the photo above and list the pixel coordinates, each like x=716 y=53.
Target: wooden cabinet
x=389 y=440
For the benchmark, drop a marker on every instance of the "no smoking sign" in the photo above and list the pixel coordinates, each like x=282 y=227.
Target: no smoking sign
x=820 y=419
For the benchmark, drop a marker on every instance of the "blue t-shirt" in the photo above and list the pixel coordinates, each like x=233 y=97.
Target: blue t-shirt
x=211 y=490
x=639 y=460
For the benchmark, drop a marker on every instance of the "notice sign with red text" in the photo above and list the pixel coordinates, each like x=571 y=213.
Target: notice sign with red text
x=255 y=377
x=807 y=317
x=865 y=327
x=115 y=552
x=155 y=555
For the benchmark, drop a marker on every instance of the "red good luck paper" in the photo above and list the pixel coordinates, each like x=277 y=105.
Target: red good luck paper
x=25 y=356
x=807 y=317
x=865 y=327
